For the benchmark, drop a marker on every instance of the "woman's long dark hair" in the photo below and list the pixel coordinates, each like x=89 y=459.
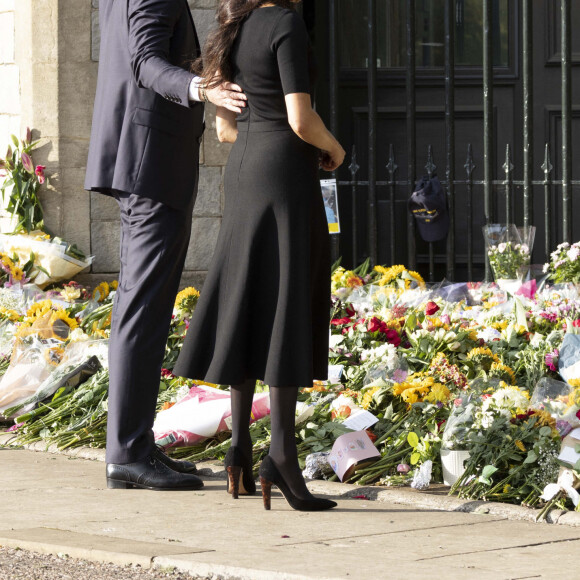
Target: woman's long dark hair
x=215 y=63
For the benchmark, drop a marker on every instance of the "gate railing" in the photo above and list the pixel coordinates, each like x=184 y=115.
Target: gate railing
x=450 y=182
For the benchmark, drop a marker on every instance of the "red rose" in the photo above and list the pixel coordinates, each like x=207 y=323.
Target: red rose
x=431 y=308
x=350 y=311
x=339 y=321
x=578 y=414
x=576 y=323
x=393 y=337
x=374 y=324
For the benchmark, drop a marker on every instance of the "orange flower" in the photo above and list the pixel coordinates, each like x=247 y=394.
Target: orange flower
x=342 y=412
x=167 y=405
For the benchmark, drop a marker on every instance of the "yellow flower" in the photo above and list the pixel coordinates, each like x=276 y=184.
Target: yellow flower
x=17 y=273
x=439 y=394
x=520 y=446
x=498 y=369
x=11 y=315
x=53 y=355
x=71 y=293
x=38 y=310
x=114 y=285
x=62 y=323
x=389 y=274
x=574 y=382
x=506 y=487
x=367 y=398
x=101 y=292
x=544 y=419
x=186 y=301
x=417 y=277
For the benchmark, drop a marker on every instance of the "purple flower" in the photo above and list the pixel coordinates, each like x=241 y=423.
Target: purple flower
x=27 y=163
x=403 y=468
x=399 y=375
x=28 y=138
x=552 y=360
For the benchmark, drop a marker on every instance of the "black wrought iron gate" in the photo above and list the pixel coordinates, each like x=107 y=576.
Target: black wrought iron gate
x=483 y=92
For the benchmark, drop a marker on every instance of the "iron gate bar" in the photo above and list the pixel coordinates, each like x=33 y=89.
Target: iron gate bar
x=547 y=169
x=487 y=118
x=353 y=168
x=392 y=169
x=333 y=78
x=508 y=167
x=372 y=120
x=566 y=120
x=450 y=130
x=528 y=90
x=411 y=129
x=469 y=168
x=431 y=168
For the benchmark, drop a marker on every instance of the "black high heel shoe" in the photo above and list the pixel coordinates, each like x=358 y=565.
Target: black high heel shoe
x=240 y=478
x=269 y=475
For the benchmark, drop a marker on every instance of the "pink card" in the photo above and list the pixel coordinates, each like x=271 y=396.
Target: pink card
x=351 y=450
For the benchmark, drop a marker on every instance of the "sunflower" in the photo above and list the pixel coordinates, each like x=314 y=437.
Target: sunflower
x=416 y=277
x=38 y=310
x=483 y=357
x=186 y=301
x=53 y=355
x=114 y=285
x=9 y=314
x=62 y=324
x=503 y=372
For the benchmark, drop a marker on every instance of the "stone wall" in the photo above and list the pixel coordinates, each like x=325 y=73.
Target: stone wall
x=48 y=73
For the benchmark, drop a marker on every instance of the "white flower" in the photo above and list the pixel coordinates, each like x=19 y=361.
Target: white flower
x=573 y=254
x=488 y=334
x=563 y=245
x=524 y=249
x=546 y=268
x=501 y=248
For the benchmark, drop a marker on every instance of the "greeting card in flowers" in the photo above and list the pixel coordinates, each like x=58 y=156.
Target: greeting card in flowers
x=350 y=452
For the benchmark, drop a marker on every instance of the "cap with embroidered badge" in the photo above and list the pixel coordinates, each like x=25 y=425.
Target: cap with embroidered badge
x=428 y=204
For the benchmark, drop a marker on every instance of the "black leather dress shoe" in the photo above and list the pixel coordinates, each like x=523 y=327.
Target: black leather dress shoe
x=150 y=473
x=179 y=466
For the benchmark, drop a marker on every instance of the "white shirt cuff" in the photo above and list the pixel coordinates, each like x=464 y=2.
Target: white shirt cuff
x=194 y=89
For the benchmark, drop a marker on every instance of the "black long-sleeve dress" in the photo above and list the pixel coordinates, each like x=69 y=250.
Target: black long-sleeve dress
x=264 y=308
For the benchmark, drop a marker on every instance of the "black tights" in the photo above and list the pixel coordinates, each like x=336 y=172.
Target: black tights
x=283 y=443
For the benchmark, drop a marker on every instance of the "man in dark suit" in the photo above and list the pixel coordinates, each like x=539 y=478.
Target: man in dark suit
x=144 y=151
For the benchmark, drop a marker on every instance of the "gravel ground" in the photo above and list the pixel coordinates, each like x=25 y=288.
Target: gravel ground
x=22 y=565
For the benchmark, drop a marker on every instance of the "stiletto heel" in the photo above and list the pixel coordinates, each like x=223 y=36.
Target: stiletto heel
x=266 y=492
x=240 y=476
x=234 y=473
x=269 y=475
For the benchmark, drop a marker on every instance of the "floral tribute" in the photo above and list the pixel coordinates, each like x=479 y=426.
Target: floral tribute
x=440 y=367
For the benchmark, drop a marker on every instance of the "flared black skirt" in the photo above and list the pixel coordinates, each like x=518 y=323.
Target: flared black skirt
x=264 y=308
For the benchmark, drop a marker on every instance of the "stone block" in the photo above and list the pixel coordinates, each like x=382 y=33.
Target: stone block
x=105 y=240
x=73 y=152
x=51 y=201
x=93 y=280
x=103 y=207
x=77 y=83
x=95 y=36
x=204 y=236
x=9 y=125
x=214 y=152
x=74 y=30
x=208 y=202
x=76 y=208
x=211 y=4
x=204 y=22
x=192 y=278
x=10 y=90
x=40 y=103
x=7 y=36
x=95 y=4
x=6 y=5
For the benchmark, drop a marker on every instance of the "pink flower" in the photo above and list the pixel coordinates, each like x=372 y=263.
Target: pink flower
x=458 y=402
x=403 y=468
x=39 y=171
x=28 y=138
x=27 y=163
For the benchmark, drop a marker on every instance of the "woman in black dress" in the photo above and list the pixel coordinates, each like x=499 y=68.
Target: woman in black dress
x=263 y=313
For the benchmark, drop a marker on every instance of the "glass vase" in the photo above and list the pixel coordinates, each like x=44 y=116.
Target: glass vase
x=509 y=250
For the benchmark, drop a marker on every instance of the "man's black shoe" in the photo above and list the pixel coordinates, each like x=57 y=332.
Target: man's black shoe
x=179 y=466
x=150 y=473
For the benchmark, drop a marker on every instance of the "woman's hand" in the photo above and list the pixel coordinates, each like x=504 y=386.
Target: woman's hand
x=331 y=160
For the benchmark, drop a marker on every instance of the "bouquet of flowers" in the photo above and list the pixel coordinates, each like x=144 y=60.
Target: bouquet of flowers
x=564 y=264
x=508 y=249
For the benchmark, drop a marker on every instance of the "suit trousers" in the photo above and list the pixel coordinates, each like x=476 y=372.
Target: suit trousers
x=154 y=242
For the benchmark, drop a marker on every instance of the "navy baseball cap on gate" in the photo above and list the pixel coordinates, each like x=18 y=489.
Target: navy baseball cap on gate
x=428 y=204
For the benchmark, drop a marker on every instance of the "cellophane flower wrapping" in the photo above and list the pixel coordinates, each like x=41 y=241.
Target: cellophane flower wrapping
x=202 y=413
x=51 y=263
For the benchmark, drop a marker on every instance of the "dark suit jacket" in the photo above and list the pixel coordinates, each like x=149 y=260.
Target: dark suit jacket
x=145 y=136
